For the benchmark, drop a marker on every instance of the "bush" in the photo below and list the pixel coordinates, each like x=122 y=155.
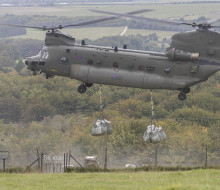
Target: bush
x=17 y=169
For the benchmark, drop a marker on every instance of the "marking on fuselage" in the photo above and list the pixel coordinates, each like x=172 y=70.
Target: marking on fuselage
x=115 y=77
x=52 y=70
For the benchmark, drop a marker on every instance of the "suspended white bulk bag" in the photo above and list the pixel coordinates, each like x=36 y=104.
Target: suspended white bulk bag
x=101 y=127
x=154 y=134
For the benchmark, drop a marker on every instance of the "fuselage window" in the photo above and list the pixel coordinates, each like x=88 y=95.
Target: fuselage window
x=34 y=63
x=42 y=63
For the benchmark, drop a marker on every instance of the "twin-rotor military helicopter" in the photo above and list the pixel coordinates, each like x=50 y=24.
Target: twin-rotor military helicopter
x=191 y=58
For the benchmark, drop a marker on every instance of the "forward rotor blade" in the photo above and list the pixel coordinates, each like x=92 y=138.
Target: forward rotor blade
x=139 y=11
x=25 y=26
x=141 y=18
x=91 y=21
x=105 y=19
x=84 y=23
x=215 y=26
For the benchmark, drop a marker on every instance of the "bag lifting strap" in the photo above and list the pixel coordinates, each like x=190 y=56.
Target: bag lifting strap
x=101 y=107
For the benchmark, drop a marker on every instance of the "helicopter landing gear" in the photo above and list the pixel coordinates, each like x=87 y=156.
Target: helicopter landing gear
x=82 y=89
x=34 y=72
x=186 y=90
x=89 y=84
x=49 y=76
x=182 y=96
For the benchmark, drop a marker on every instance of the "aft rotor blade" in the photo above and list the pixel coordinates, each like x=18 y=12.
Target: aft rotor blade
x=141 y=18
x=211 y=21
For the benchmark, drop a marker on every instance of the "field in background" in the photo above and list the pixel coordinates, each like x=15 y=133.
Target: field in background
x=167 y=11
x=187 y=11
x=94 y=33
x=160 y=34
x=190 y=180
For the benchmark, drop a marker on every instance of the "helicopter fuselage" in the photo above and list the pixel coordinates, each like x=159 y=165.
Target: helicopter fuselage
x=172 y=70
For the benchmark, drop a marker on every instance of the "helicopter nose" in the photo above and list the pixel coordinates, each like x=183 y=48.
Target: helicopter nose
x=31 y=63
x=26 y=62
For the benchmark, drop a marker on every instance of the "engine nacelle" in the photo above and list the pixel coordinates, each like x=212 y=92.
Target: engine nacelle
x=178 y=55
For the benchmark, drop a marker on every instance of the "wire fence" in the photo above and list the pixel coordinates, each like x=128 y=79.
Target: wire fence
x=198 y=148
x=157 y=157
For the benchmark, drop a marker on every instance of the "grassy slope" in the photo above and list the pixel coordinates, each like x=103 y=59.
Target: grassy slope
x=195 y=179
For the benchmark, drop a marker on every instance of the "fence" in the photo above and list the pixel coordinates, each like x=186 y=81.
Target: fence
x=183 y=155
x=168 y=158
x=156 y=157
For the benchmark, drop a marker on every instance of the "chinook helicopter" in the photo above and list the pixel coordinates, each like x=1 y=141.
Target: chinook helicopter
x=191 y=58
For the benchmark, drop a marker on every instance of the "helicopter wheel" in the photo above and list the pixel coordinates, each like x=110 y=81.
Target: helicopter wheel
x=88 y=85
x=182 y=96
x=82 y=89
x=34 y=73
x=186 y=90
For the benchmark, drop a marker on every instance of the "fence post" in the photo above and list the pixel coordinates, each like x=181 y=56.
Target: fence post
x=42 y=162
x=64 y=166
x=106 y=158
x=46 y=165
x=38 y=156
x=3 y=164
x=53 y=168
x=156 y=157
x=67 y=157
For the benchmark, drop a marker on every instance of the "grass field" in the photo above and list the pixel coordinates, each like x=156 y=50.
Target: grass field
x=188 y=180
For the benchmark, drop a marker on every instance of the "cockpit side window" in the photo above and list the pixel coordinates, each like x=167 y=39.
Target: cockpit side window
x=45 y=55
x=39 y=54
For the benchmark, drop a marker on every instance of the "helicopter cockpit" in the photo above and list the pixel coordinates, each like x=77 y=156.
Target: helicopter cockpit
x=36 y=63
x=44 y=53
